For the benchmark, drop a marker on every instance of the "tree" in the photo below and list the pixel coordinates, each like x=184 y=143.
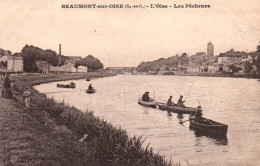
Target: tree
x=258 y=60
x=248 y=68
x=31 y=54
x=91 y=62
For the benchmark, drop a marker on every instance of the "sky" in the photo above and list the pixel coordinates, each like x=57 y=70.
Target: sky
x=127 y=37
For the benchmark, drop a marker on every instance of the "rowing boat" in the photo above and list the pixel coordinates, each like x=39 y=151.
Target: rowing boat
x=90 y=91
x=63 y=86
x=151 y=103
x=208 y=126
x=176 y=109
x=71 y=85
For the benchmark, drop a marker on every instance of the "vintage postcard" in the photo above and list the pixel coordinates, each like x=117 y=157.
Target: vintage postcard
x=130 y=82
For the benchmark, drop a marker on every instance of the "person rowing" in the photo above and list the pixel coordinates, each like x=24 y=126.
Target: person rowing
x=180 y=102
x=90 y=87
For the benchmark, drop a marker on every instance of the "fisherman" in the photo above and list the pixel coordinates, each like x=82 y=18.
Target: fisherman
x=90 y=86
x=146 y=97
x=169 y=102
x=6 y=86
x=198 y=114
x=27 y=97
x=180 y=102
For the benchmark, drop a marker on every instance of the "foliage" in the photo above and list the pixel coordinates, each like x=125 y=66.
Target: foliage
x=171 y=61
x=91 y=62
x=258 y=59
x=31 y=54
x=248 y=68
x=5 y=52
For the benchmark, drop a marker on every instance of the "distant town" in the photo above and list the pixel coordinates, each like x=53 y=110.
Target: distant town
x=231 y=63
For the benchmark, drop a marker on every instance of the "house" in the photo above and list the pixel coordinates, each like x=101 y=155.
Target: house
x=69 y=67
x=82 y=69
x=43 y=66
x=213 y=68
x=14 y=63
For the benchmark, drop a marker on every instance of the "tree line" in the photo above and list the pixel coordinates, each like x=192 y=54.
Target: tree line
x=32 y=54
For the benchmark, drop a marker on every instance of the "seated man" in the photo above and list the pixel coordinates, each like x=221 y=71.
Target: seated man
x=146 y=97
x=169 y=102
x=198 y=114
x=90 y=86
x=180 y=102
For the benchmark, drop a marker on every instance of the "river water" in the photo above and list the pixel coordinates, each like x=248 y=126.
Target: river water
x=232 y=101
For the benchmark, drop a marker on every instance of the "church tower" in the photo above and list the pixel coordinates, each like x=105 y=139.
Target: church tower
x=210 y=49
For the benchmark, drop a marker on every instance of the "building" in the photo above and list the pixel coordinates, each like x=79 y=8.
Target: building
x=213 y=68
x=82 y=69
x=210 y=49
x=13 y=63
x=43 y=66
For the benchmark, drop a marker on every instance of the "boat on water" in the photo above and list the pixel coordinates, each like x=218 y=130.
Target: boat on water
x=63 y=86
x=151 y=103
x=90 y=91
x=176 y=109
x=71 y=85
x=208 y=126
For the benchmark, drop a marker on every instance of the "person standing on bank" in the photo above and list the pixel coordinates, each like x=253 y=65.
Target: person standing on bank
x=6 y=86
x=180 y=102
x=27 y=97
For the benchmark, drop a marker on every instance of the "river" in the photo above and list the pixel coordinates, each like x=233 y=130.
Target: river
x=232 y=101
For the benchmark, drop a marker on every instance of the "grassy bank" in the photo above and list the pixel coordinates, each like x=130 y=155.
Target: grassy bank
x=103 y=144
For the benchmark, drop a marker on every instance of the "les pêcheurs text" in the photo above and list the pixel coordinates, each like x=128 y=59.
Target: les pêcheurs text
x=191 y=6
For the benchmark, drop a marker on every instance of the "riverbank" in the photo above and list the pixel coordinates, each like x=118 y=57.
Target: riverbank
x=51 y=133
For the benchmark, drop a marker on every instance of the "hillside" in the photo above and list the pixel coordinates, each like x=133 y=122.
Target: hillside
x=171 y=61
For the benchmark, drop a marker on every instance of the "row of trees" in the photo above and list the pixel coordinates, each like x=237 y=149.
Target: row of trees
x=31 y=54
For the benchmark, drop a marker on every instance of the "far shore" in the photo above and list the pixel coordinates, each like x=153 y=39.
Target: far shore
x=51 y=133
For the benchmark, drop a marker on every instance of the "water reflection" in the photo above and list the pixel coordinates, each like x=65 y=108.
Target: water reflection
x=217 y=139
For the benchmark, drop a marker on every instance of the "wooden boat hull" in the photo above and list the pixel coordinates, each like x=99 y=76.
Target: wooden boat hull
x=90 y=91
x=63 y=86
x=151 y=104
x=176 y=109
x=208 y=126
x=66 y=86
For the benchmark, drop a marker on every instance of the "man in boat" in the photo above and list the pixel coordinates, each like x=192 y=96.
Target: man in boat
x=146 y=97
x=180 y=102
x=198 y=114
x=169 y=102
x=90 y=86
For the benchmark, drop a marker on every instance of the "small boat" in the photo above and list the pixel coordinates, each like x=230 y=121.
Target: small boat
x=151 y=103
x=63 y=86
x=72 y=85
x=176 y=109
x=90 y=91
x=208 y=126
